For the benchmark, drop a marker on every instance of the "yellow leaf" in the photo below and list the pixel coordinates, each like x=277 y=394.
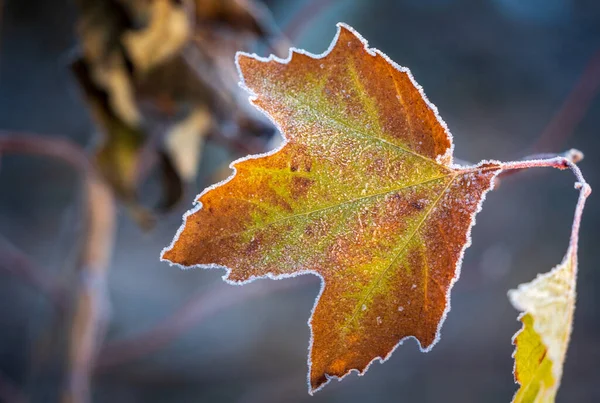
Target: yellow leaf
x=548 y=303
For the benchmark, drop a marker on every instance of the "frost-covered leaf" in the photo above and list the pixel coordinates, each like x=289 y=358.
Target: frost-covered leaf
x=363 y=193
x=547 y=305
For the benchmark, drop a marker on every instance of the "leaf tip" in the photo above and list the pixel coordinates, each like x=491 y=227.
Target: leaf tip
x=342 y=26
x=169 y=255
x=164 y=254
x=346 y=33
x=316 y=382
x=243 y=57
x=243 y=61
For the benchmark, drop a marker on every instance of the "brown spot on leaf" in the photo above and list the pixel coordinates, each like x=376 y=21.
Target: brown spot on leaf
x=417 y=205
x=543 y=356
x=300 y=186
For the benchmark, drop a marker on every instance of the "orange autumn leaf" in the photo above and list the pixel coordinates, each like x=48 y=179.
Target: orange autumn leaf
x=363 y=193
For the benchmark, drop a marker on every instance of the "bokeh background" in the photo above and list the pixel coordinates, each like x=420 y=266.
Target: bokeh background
x=510 y=78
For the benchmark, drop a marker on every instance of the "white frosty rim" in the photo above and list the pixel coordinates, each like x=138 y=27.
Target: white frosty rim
x=447 y=156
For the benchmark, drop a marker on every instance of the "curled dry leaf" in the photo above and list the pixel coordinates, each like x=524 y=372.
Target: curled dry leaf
x=547 y=305
x=159 y=77
x=363 y=194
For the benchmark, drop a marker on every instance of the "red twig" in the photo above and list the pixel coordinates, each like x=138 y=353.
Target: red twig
x=585 y=190
x=49 y=146
x=14 y=261
x=190 y=314
x=18 y=264
x=562 y=162
x=572 y=155
x=92 y=305
x=91 y=302
x=573 y=109
x=559 y=162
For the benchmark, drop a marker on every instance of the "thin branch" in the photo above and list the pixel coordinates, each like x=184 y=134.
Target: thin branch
x=573 y=109
x=563 y=162
x=584 y=191
x=18 y=264
x=573 y=155
x=559 y=162
x=49 y=146
x=92 y=305
x=567 y=161
x=91 y=301
x=197 y=309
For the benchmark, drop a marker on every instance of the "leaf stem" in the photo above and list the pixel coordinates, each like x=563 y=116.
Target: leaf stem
x=566 y=161
x=584 y=191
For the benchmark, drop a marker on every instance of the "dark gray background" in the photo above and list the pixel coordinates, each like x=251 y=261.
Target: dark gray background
x=497 y=70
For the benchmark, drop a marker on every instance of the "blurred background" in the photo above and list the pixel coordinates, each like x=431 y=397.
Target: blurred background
x=115 y=114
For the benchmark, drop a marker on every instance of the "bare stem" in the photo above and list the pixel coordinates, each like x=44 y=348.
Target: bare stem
x=91 y=302
x=584 y=191
x=568 y=161
x=565 y=161
x=49 y=146
x=18 y=264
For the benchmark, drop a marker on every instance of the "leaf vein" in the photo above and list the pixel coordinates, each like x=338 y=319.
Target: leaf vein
x=290 y=217
x=403 y=249
x=351 y=129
